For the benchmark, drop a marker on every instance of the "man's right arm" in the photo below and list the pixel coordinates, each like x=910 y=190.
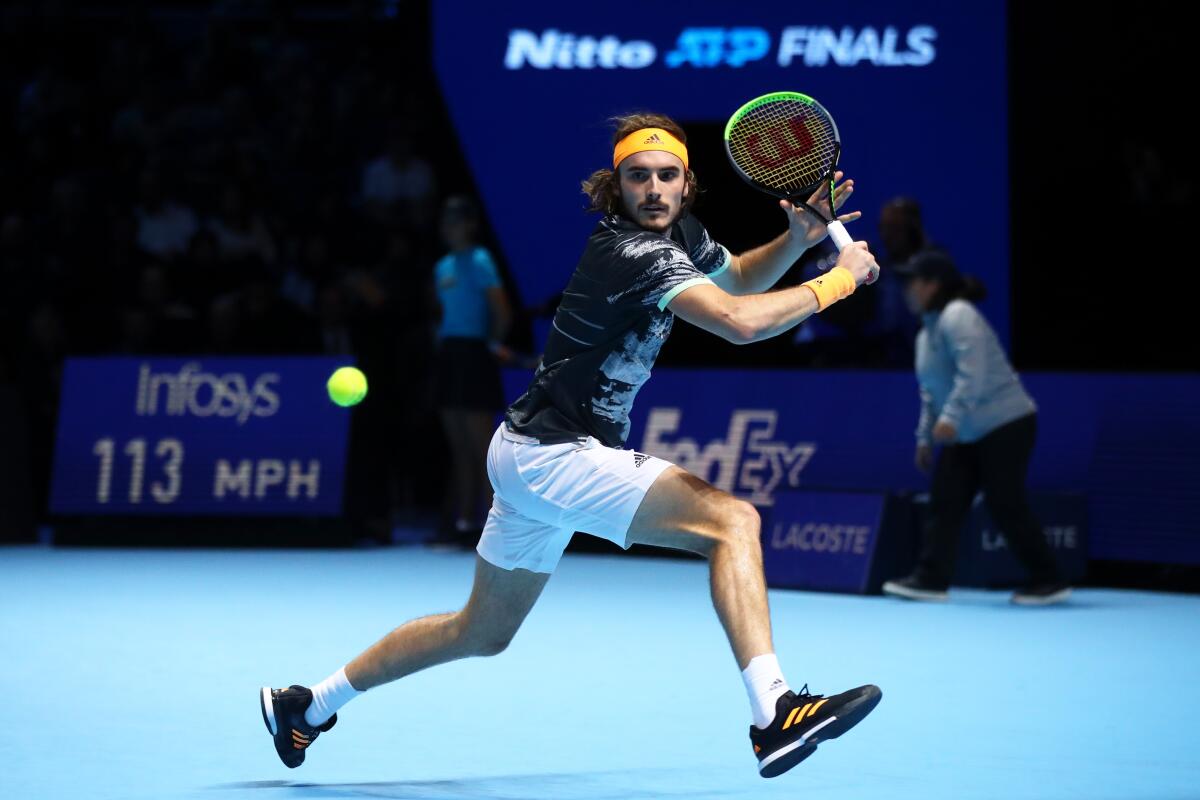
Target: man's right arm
x=742 y=319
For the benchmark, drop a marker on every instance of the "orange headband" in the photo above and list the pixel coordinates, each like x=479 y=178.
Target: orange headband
x=649 y=139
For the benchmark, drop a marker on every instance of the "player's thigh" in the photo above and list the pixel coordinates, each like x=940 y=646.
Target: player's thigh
x=501 y=599
x=684 y=512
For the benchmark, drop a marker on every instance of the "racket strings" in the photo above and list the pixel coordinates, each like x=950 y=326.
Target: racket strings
x=785 y=145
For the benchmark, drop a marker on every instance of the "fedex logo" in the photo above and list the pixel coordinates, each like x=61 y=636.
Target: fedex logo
x=749 y=462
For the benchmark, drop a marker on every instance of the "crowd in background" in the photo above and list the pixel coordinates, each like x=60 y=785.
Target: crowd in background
x=240 y=179
x=243 y=179
x=222 y=184
x=248 y=178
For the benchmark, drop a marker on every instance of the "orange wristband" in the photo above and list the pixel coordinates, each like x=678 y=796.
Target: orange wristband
x=834 y=285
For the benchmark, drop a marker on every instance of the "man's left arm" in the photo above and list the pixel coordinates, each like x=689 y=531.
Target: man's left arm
x=966 y=339
x=757 y=270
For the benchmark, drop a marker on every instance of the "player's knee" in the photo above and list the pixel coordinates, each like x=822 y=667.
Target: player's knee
x=492 y=645
x=742 y=524
x=477 y=641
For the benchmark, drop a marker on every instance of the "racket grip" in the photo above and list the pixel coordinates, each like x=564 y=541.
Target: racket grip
x=839 y=234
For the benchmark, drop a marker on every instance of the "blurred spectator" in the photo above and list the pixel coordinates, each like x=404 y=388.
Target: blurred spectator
x=164 y=227
x=157 y=321
x=900 y=230
x=334 y=318
x=240 y=230
x=196 y=185
x=310 y=268
x=202 y=275
x=475 y=319
x=902 y=235
x=398 y=185
x=267 y=323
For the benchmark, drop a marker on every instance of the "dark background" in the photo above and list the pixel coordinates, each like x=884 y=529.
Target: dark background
x=286 y=103
x=1103 y=187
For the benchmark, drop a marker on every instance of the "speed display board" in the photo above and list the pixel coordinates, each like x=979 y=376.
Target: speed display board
x=235 y=436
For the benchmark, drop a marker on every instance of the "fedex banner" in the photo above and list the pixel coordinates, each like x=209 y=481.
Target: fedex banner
x=918 y=90
x=1129 y=443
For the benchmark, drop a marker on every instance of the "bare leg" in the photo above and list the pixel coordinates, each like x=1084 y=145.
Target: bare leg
x=683 y=512
x=499 y=602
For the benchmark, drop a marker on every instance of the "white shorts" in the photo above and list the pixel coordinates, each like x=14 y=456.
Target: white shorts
x=546 y=492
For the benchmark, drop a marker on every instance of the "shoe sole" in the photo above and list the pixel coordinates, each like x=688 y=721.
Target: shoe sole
x=268 y=710
x=785 y=758
x=914 y=594
x=1046 y=600
x=848 y=716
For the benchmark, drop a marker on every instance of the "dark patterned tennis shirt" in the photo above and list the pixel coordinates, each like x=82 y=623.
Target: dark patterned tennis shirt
x=609 y=328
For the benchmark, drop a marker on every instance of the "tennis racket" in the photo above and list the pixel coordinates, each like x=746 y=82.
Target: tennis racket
x=787 y=145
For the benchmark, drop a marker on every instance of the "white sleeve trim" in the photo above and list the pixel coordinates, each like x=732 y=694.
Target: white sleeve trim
x=679 y=287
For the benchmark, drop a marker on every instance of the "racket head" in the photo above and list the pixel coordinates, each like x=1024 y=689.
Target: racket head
x=783 y=143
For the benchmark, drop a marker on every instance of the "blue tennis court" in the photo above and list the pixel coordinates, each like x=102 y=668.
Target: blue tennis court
x=134 y=674
x=272 y=274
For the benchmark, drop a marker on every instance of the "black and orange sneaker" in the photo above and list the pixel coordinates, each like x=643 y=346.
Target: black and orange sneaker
x=803 y=720
x=283 y=712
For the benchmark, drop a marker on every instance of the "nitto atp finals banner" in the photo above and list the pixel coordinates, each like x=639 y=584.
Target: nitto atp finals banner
x=919 y=92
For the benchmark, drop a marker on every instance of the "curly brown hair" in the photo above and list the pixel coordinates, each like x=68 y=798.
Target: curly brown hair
x=603 y=188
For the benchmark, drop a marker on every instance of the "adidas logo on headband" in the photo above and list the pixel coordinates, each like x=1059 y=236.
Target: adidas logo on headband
x=649 y=139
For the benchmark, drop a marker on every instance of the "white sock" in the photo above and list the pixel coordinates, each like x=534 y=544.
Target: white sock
x=764 y=685
x=328 y=696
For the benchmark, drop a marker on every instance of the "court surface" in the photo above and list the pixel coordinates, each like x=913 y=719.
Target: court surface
x=134 y=674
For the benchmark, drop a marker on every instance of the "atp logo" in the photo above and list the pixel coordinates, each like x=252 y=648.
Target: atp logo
x=749 y=462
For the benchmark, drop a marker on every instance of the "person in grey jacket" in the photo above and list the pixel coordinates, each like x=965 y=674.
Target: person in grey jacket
x=974 y=406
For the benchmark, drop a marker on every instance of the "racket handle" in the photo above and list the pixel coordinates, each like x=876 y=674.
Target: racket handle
x=837 y=232
x=839 y=235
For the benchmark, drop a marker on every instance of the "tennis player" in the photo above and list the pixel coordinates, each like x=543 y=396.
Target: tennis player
x=557 y=465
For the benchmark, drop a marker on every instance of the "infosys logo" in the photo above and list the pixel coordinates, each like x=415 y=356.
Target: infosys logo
x=206 y=394
x=703 y=48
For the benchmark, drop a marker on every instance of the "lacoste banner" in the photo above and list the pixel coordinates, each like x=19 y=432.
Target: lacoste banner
x=823 y=540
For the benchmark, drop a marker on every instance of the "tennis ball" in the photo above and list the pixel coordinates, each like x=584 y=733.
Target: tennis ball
x=347 y=386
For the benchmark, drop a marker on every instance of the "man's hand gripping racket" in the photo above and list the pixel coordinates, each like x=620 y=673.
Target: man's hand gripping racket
x=787 y=145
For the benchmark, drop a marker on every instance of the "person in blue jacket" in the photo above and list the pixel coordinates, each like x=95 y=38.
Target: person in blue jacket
x=974 y=407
